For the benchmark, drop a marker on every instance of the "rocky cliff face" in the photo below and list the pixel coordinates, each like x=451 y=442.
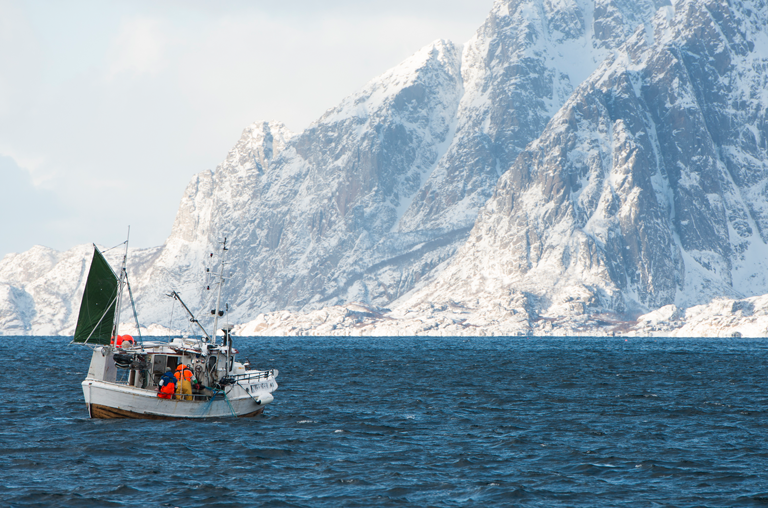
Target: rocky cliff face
x=306 y=224
x=518 y=70
x=646 y=189
x=617 y=150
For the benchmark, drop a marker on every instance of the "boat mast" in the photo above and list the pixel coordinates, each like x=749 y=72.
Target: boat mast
x=120 y=285
x=218 y=299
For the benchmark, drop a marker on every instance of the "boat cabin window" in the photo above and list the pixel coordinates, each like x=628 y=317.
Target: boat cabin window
x=158 y=364
x=162 y=362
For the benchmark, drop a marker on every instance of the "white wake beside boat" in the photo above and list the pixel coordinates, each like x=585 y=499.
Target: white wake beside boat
x=123 y=379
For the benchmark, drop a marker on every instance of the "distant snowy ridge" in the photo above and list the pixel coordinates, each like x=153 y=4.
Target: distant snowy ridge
x=40 y=289
x=720 y=318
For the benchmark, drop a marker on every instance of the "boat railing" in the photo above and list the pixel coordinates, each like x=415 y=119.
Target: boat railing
x=195 y=397
x=252 y=376
x=236 y=380
x=176 y=396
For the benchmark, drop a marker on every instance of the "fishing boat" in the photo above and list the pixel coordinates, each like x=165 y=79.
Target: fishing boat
x=125 y=376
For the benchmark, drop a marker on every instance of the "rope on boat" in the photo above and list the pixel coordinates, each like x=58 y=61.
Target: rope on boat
x=208 y=406
x=229 y=404
x=210 y=402
x=216 y=391
x=257 y=401
x=170 y=325
x=115 y=247
x=135 y=315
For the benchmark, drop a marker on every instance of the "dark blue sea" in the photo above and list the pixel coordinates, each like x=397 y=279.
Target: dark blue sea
x=410 y=422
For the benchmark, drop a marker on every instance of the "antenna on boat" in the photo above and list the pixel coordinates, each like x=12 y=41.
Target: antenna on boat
x=221 y=283
x=135 y=315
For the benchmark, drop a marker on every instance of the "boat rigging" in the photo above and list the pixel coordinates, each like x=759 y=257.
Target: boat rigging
x=132 y=380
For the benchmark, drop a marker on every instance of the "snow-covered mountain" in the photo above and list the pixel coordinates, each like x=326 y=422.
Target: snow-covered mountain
x=372 y=197
x=40 y=289
x=617 y=150
x=648 y=187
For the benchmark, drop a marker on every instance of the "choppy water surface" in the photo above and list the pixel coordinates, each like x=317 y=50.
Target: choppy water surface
x=410 y=422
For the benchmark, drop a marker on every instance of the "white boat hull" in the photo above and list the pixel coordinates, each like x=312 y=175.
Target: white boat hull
x=114 y=400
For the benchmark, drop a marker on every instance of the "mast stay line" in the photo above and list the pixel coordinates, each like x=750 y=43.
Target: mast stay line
x=192 y=317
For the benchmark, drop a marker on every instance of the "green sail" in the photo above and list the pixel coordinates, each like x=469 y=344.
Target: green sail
x=97 y=309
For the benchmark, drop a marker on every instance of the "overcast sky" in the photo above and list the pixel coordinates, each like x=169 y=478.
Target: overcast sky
x=107 y=108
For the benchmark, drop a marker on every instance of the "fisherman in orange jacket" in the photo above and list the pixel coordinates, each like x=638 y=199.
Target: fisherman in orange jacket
x=183 y=382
